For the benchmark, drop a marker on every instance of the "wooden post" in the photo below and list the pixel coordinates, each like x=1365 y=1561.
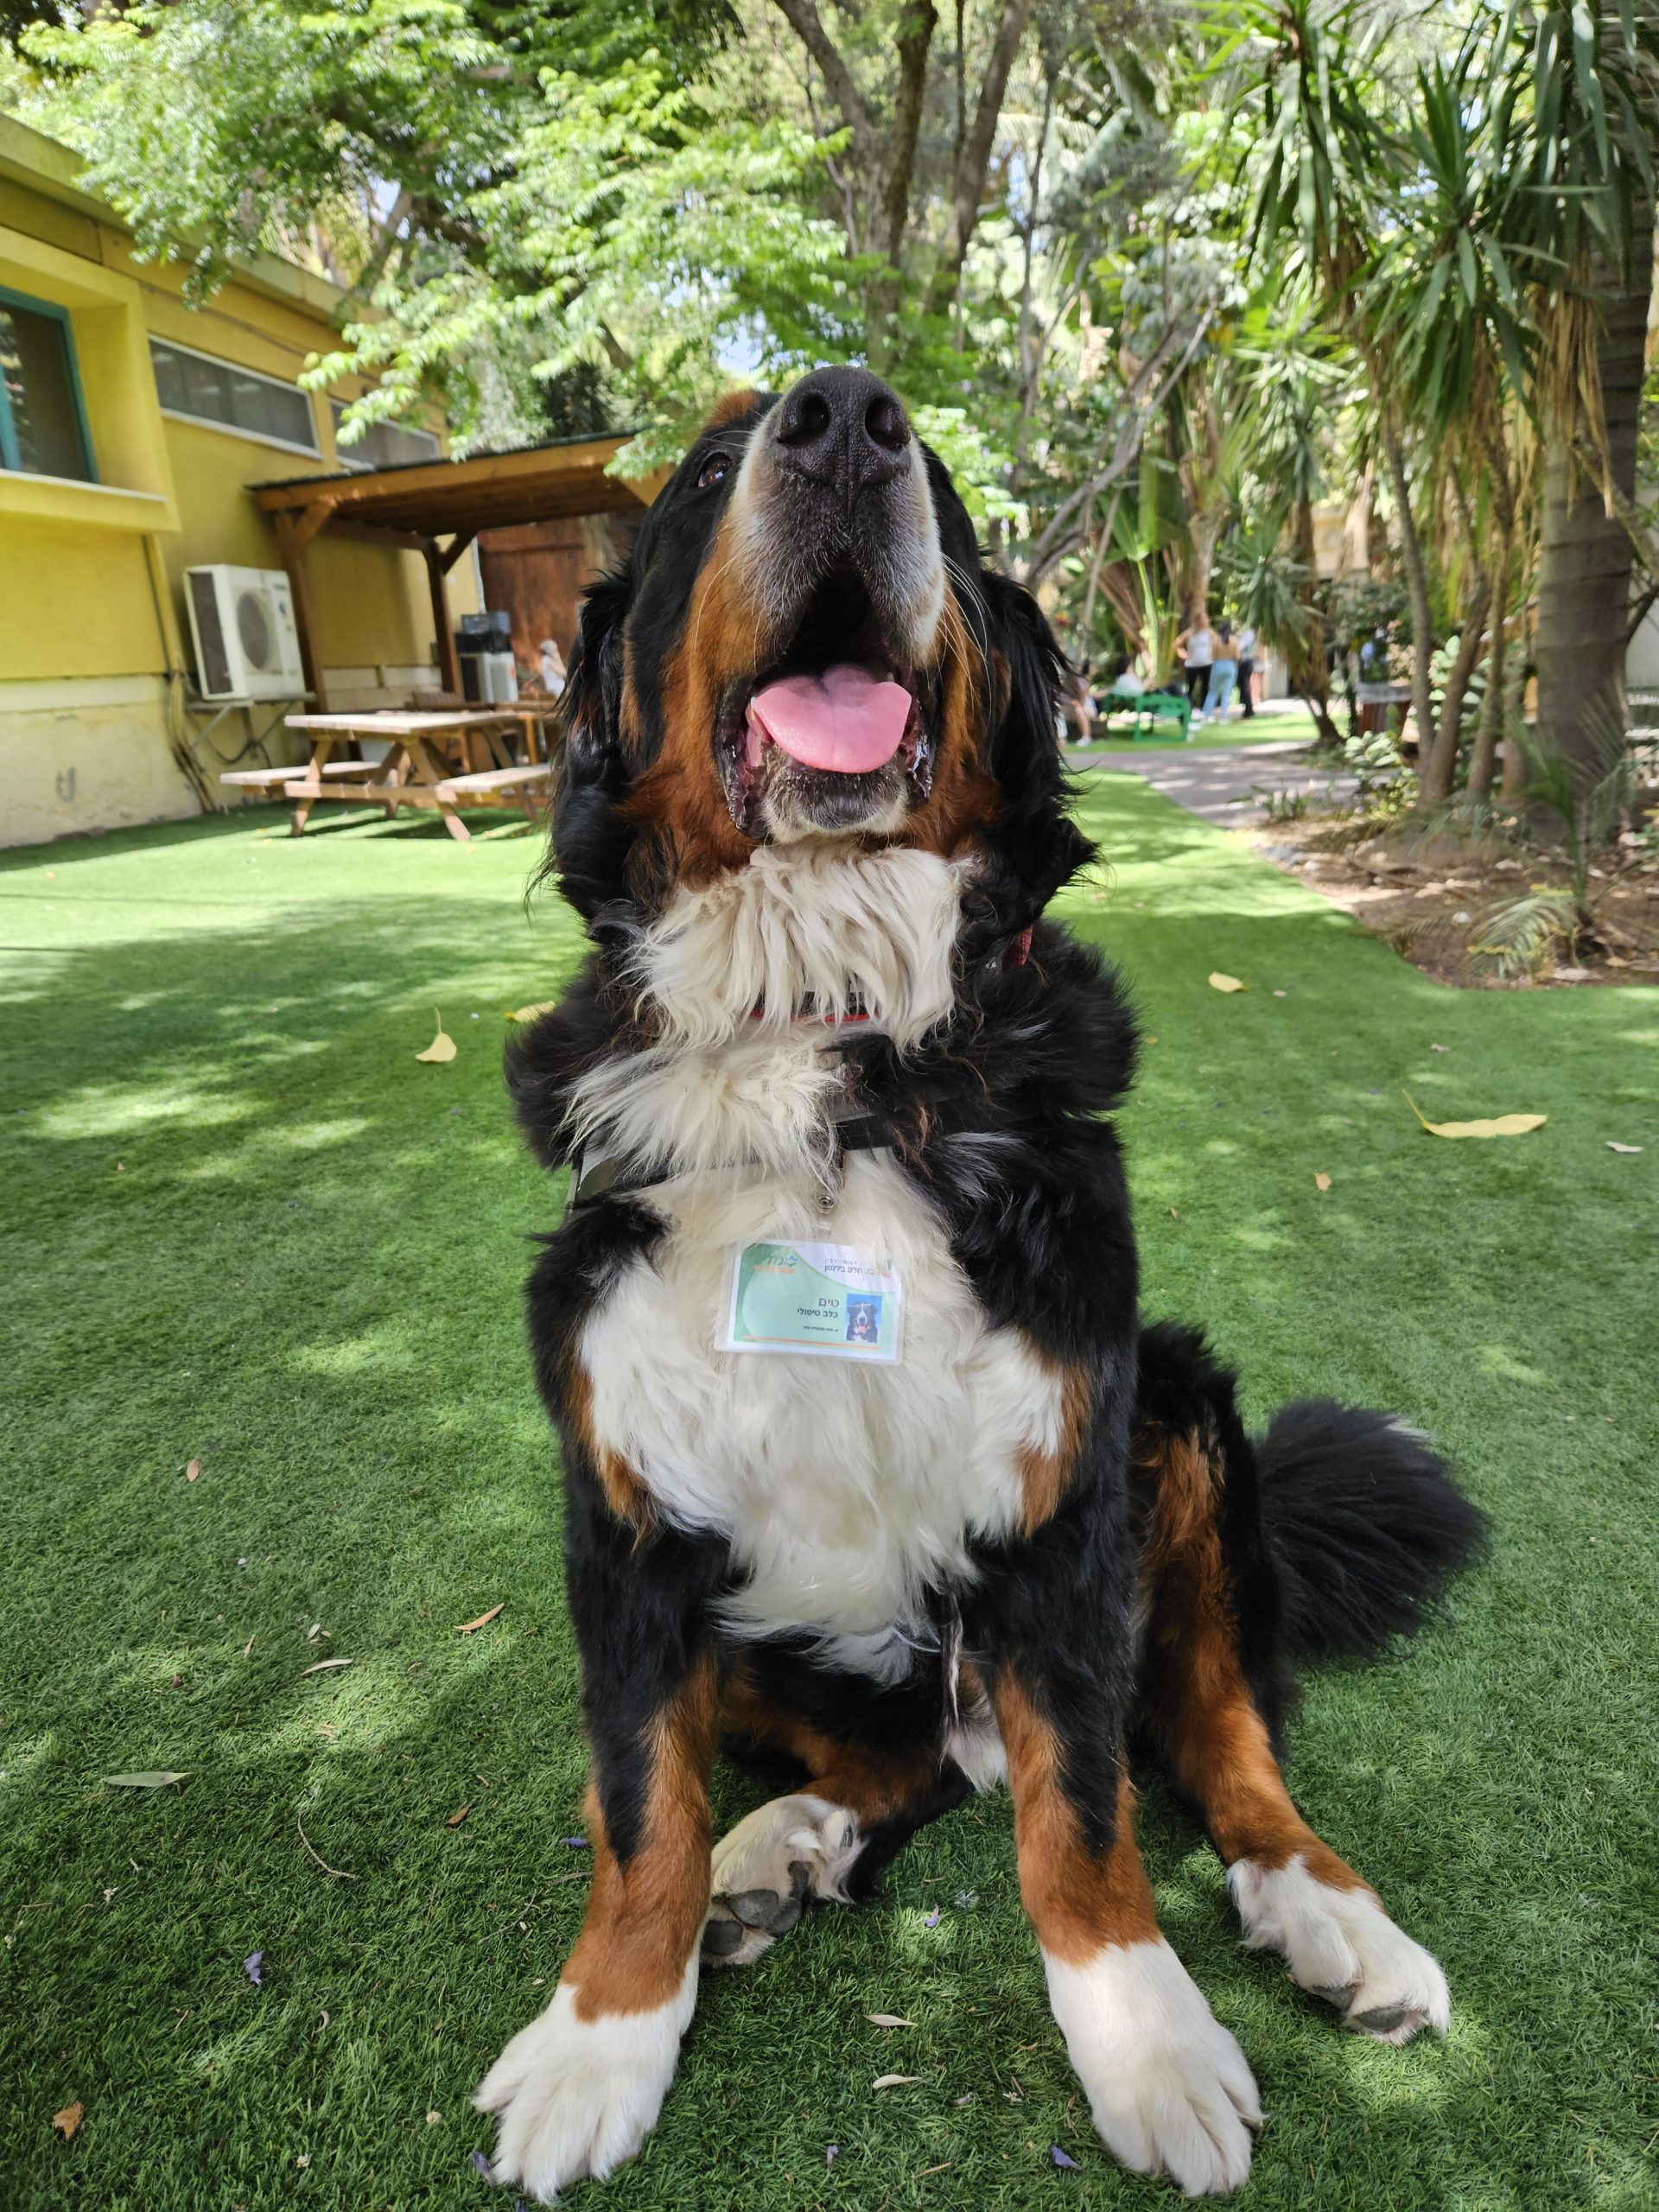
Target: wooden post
x=448 y=658
x=293 y=535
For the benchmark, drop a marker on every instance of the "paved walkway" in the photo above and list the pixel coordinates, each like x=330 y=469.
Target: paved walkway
x=1223 y=783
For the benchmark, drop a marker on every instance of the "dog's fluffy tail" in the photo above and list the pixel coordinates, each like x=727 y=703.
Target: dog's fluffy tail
x=1364 y=1524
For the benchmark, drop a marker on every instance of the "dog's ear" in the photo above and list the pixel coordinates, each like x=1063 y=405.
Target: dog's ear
x=590 y=842
x=1039 y=844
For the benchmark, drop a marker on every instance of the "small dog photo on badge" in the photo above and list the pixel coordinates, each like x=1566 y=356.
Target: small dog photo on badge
x=864 y=1319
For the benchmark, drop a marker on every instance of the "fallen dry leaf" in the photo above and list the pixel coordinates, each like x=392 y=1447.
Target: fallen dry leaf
x=323 y=1666
x=465 y=1628
x=193 y=1470
x=151 y=1778
x=893 y=2080
x=1440 y=1048
x=530 y=1013
x=1611 y=1147
x=455 y=1818
x=1505 y=1125
x=888 y=2020
x=442 y=1047
x=1220 y=982
x=435 y=2119
x=1322 y=1182
x=68 y=2120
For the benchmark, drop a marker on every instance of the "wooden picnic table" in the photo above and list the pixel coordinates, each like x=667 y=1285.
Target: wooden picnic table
x=416 y=771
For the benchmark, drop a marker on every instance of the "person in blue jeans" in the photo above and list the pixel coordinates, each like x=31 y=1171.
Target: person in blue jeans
x=1223 y=671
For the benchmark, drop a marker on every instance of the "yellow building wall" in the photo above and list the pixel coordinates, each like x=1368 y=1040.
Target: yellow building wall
x=85 y=735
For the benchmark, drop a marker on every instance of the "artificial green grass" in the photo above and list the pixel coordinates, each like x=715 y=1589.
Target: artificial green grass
x=242 y=1225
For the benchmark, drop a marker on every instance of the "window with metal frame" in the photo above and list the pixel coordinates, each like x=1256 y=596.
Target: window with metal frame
x=42 y=417
x=383 y=445
x=200 y=388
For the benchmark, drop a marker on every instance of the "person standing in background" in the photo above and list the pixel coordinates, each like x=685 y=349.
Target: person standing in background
x=1196 y=647
x=1247 y=670
x=1224 y=669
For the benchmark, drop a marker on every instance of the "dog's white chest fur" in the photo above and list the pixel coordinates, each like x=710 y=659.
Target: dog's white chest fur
x=842 y=1488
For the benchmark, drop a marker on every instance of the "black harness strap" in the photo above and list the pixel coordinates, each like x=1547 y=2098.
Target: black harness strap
x=597 y=1174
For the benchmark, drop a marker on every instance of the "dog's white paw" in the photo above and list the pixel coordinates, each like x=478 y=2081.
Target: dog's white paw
x=770 y=1868
x=1341 y=1945
x=576 y=2097
x=1170 y=2089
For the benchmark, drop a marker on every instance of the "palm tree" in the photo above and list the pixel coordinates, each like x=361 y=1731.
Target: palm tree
x=1444 y=281
x=1317 y=146
x=1582 y=79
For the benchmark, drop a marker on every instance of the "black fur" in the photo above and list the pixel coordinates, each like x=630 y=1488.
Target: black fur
x=1365 y=1526
x=1335 y=1529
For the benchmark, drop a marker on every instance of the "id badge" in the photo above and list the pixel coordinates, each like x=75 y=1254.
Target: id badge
x=829 y=1301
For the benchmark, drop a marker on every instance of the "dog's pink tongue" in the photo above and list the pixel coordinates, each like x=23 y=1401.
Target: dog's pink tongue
x=846 y=719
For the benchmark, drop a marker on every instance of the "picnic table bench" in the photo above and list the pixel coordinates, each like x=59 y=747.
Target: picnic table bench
x=417 y=770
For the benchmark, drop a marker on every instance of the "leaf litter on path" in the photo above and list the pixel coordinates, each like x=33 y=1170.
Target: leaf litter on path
x=893 y=2080
x=67 y=2121
x=888 y=2020
x=1220 y=982
x=465 y=1628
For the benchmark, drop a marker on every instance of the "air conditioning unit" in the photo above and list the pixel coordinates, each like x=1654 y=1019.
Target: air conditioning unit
x=241 y=622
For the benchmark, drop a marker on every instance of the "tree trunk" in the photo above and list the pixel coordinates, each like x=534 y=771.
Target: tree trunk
x=1437 y=763
x=1483 y=760
x=974 y=160
x=1305 y=660
x=1584 y=570
x=1422 y=618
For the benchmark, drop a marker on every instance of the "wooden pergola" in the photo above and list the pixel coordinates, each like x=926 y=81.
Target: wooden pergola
x=437 y=508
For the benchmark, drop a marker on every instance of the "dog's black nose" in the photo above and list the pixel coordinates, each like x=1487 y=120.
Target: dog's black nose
x=844 y=428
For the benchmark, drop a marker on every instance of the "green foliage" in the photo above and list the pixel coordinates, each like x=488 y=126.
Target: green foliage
x=1524 y=935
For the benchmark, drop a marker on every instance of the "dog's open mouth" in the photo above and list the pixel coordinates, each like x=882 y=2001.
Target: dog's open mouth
x=835 y=732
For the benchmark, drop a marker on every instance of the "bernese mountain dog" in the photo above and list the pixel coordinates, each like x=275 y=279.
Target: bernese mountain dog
x=873 y=1473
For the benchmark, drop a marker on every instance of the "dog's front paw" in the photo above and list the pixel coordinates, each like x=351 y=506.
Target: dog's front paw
x=778 y=1859
x=576 y=2097
x=1340 y=1945
x=1170 y=2089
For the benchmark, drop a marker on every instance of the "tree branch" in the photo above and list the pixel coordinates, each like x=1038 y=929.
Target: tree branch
x=968 y=186
x=916 y=28
x=1061 y=529
x=803 y=19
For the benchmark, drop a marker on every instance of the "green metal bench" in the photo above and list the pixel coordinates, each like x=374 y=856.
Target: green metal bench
x=1149 y=709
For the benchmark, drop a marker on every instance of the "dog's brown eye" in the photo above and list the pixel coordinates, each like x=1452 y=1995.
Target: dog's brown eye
x=717 y=466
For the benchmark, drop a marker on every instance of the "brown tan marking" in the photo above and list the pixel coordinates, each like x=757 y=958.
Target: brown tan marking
x=1045 y=1476
x=625 y=1493
x=871 y=1785
x=1217 y=1740
x=1077 y=1901
x=729 y=410
x=645 y=1915
x=680 y=801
